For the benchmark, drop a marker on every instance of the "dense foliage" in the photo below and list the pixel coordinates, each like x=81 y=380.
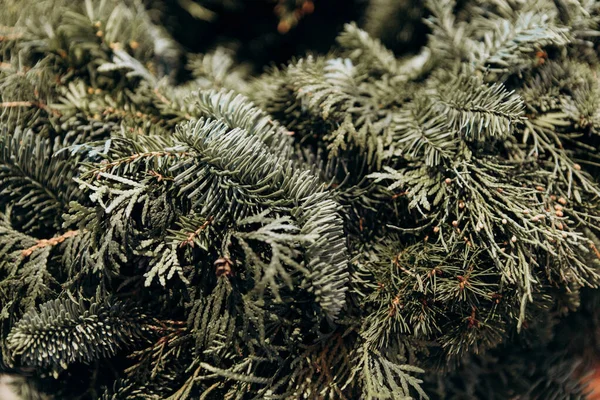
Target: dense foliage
x=358 y=224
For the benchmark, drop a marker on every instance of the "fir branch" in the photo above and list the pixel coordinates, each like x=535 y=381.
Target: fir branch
x=239 y=112
x=326 y=87
x=122 y=60
x=260 y=176
x=24 y=265
x=509 y=45
x=478 y=110
x=217 y=70
x=419 y=131
x=64 y=331
x=30 y=179
x=368 y=50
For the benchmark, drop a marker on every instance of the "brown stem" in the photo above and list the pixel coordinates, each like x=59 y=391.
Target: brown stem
x=41 y=243
x=38 y=104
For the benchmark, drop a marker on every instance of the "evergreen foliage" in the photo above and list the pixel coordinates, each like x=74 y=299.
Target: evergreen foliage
x=359 y=224
x=64 y=331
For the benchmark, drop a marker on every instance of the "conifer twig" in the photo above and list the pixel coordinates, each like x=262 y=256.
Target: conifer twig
x=41 y=243
x=38 y=104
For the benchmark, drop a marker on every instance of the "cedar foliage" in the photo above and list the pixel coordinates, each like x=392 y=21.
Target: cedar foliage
x=355 y=224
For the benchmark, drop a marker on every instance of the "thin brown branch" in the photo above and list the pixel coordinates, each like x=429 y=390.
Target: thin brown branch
x=38 y=104
x=13 y=36
x=193 y=235
x=48 y=242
